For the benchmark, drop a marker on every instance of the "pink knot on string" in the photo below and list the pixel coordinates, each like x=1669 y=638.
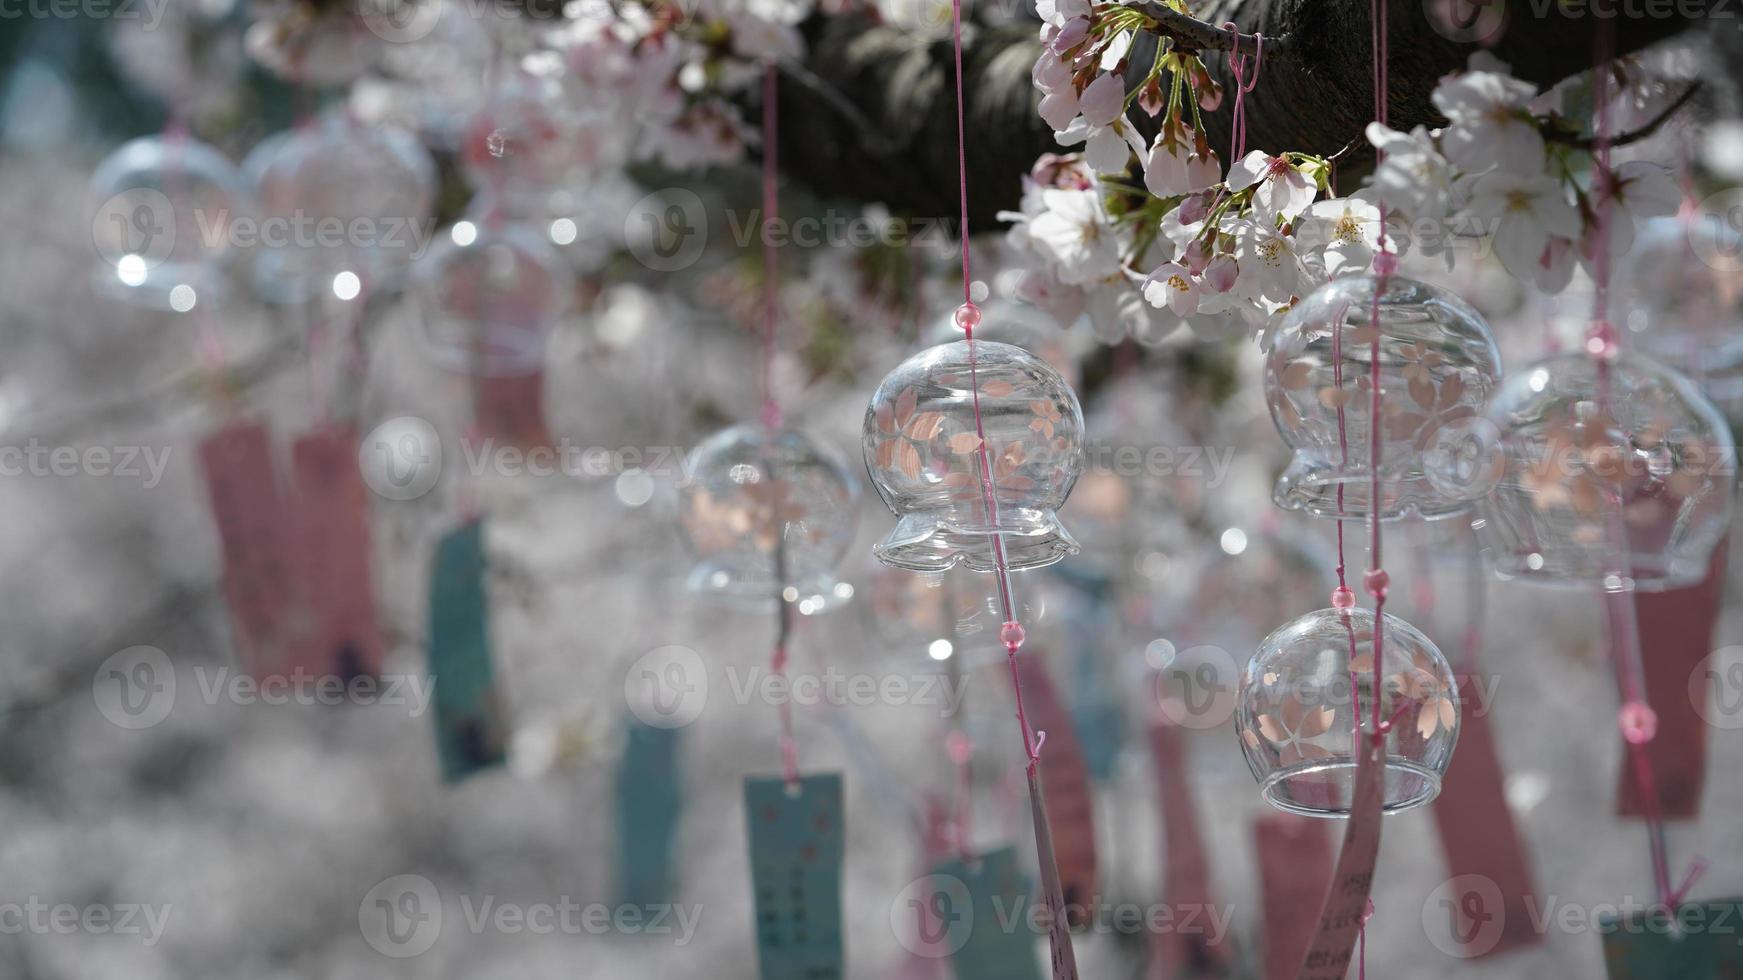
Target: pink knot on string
x=1012 y=635
x=1639 y=723
x=1601 y=340
x=967 y=318
x=771 y=416
x=1343 y=598
x=1376 y=581
x=1385 y=264
x=1244 y=85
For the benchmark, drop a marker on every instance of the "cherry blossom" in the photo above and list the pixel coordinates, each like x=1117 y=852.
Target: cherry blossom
x=1347 y=232
x=1491 y=123
x=1269 y=266
x=1173 y=168
x=1283 y=191
x=1076 y=236
x=1413 y=176
x=1524 y=213
x=1100 y=124
x=1174 y=286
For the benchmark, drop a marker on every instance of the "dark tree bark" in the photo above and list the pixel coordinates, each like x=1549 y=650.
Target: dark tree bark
x=895 y=139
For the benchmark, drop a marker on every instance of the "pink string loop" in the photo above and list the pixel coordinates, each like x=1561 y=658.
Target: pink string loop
x=1243 y=85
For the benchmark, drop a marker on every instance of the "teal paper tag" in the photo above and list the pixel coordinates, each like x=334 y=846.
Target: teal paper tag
x=984 y=913
x=648 y=805
x=469 y=726
x=796 y=844
x=1702 y=939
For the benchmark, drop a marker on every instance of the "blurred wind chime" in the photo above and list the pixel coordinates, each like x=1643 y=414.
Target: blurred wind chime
x=295 y=548
x=769 y=514
x=974 y=445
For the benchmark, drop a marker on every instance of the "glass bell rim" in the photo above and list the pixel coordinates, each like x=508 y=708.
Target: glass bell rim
x=1677 y=574
x=929 y=541
x=1431 y=779
x=1305 y=486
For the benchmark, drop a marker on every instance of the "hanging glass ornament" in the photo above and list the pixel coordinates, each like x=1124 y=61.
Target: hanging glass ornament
x=1303 y=693
x=762 y=509
x=489 y=295
x=1680 y=297
x=521 y=146
x=340 y=197
x=926 y=460
x=163 y=213
x=1660 y=450
x=1438 y=363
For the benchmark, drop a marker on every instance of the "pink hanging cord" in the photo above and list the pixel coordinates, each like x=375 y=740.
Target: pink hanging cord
x=771 y=410
x=1243 y=87
x=967 y=317
x=1635 y=720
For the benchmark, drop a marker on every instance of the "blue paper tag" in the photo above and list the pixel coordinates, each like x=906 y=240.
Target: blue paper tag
x=982 y=910
x=1701 y=939
x=648 y=806
x=469 y=726
x=796 y=844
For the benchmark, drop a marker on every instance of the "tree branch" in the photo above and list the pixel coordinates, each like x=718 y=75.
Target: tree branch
x=1633 y=136
x=1191 y=34
x=1317 y=99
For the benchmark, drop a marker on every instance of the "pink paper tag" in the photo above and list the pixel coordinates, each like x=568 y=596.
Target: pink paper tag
x=1676 y=635
x=1489 y=887
x=1346 y=901
x=1295 y=866
x=333 y=545
x=512 y=409
x=1062 y=957
x=260 y=587
x=1192 y=949
x=1069 y=799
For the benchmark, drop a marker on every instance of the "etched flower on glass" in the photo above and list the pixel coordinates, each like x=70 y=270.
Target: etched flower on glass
x=1437 y=364
x=955 y=492
x=766 y=516
x=1311 y=682
x=1651 y=462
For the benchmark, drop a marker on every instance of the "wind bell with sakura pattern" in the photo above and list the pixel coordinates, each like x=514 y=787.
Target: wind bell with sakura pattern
x=1438 y=363
x=1654 y=449
x=761 y=504
x=1311 y=683
x=924 y=454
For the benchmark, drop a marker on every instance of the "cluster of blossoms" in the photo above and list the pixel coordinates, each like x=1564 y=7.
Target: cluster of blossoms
x=670 y=72
x=1185 y=244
